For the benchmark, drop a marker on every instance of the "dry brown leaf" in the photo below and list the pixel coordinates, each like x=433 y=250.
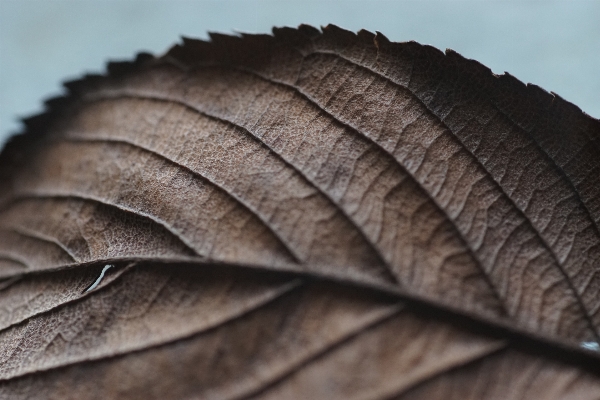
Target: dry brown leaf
x=304 y=215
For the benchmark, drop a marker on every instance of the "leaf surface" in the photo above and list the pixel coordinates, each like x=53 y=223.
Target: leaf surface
x=312 y=214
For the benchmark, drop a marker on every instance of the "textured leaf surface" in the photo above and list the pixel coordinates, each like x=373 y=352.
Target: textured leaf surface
x=304 y=215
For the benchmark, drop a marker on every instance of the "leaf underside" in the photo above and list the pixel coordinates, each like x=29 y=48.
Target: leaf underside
x=308 y=214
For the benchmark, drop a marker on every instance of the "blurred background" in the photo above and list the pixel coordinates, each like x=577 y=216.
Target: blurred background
x=554 y=44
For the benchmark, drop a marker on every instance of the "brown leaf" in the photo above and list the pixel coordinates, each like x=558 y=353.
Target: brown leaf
x=304 y=215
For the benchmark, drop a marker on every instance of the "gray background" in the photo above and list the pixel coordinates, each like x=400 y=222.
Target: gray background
x=555 y=44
